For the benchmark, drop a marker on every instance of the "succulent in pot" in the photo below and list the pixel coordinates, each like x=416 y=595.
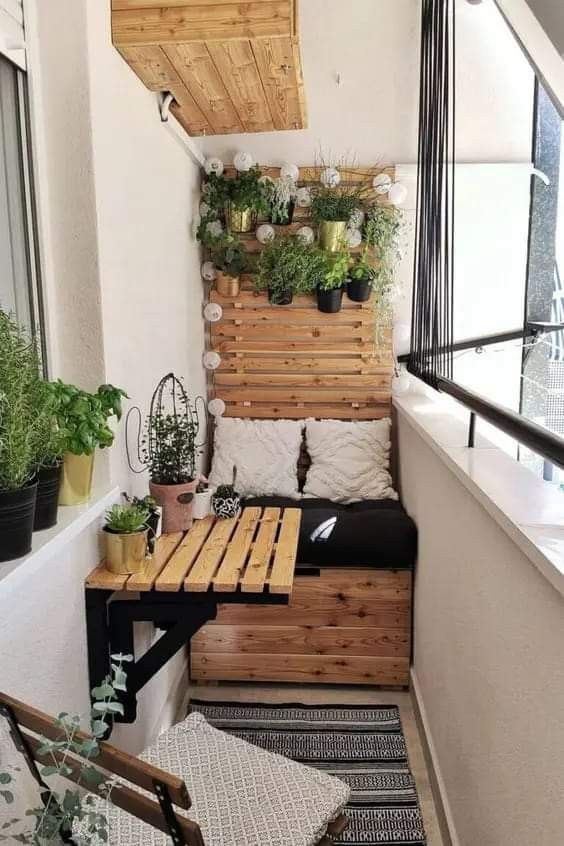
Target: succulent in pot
x=226 y=502
x=281 y=193
x=230 y=259
x=154 y=519
x=286 y=266
x=83 y=426
x=24 y=402
x=169 y=449
x=331 y=282
x=126 y=538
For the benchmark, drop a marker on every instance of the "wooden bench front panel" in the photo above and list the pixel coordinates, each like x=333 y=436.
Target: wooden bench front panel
x=348 y=626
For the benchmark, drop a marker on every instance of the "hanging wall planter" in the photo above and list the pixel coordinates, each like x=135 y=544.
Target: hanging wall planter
x=46 y=505
x=280 y=296
x=17 y=513
x=283 y=216
x=331 y=301
x=226 y=285
x=358 y=290
x=240 y=219
x=332 y=235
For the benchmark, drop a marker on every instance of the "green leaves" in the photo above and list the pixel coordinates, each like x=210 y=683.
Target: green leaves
x=127 y=519
x=228 y=254
x=334 y=204
x=82 y=418
x=287 y=264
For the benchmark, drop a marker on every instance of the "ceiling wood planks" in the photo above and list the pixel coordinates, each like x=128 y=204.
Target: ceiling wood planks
x=232 y=67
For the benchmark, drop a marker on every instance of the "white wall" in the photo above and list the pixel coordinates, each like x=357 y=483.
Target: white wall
x=374 y=45
x=489 y=659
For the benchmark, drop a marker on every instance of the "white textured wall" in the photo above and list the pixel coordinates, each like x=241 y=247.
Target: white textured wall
x=374 y=45
x=489 y=660
x=147 y=192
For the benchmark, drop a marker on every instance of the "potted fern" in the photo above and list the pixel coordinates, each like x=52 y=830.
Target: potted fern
x=332 y=281
x=23 y=405
x=126 y=538
x=286 y=266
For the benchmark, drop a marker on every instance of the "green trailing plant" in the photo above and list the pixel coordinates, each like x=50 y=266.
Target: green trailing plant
x=82 y=418
x=126 y=519
x=24 y=406
x=72 y=812
x=288 y=264
x=381 y=235
x=229 y=255
x=335 y=270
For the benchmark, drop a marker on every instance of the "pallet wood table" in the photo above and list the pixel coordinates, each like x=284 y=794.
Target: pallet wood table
x=248 y=559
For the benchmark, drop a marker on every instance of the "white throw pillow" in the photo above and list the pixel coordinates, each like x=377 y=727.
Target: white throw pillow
x=350 y=461
x=265 y=452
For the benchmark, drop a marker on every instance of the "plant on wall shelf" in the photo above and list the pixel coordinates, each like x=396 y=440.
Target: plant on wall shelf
x=239 y=198
x=281 y=194
x=381 y=234
x=72 y=816
x=286 y=266
x=332 y=280
x=230 y=259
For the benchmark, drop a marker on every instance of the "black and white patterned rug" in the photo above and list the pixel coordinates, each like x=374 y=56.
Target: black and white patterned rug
x=363 y=746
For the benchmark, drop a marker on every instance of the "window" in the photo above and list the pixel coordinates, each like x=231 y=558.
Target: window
x=19 y=266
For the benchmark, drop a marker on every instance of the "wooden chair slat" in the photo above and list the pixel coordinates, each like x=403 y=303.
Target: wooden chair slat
x=227 y=577
x=282 y=575
x=200 y=576
x=164 y=548
x=179 y=564
x=256 y=571
x=110 y=758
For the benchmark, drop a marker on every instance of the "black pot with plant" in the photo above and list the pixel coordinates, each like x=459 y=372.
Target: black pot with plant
x=361 y=279
x=281 y=195
x=331 y=282
x=23 y=405
x=288 y=266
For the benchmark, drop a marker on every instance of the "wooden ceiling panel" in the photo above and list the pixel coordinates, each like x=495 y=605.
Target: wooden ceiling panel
x=203 y=22
x=231 y=66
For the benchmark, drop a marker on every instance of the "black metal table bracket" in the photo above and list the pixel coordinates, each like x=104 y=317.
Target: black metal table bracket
x=110 y=630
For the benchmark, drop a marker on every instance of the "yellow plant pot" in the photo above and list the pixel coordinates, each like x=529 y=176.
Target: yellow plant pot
x=227 y=286
x=240 y=220
x=126 y=553
x=332 y=235
x=76 y=482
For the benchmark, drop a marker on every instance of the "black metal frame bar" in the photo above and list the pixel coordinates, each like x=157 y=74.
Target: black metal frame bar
x=110 y=630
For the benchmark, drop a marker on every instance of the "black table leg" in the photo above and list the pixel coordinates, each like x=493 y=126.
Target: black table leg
x=98 y=635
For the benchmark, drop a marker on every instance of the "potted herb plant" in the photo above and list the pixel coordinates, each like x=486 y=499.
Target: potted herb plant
x=361 y=279
x=126 y=538
x=49 y=463
x=23 y=403
x=332 y=280
x=281 y=193
x=331 y=210
x=246 y=200
x=230 y=259
x=226 y=502
x=169 y=452
x=82 y=419
x=202 y=499
x=286 y=266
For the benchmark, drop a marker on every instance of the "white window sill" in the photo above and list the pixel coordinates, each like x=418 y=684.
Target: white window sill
x=72 y=521
x=529 y=510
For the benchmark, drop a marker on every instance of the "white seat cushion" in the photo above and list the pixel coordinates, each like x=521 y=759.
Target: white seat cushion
x=241 y=795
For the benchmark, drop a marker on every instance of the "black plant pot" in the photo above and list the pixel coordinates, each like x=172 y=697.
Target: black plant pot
x=358 y=290
x=284 y=217
x=17 y=512
x=280 y=297
x=331 y=301
x=46 y=504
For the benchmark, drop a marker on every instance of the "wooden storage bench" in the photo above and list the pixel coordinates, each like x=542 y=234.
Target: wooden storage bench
x=342 y=626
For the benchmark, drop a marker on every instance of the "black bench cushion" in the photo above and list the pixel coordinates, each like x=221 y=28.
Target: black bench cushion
x=376 y=534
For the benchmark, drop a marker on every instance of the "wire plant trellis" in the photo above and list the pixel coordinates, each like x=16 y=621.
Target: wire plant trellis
x=168 y=444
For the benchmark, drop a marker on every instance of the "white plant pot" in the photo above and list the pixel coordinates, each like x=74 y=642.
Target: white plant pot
x=202 y=504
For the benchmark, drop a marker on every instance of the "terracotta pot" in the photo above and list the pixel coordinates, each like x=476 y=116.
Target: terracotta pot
x=227 y=286
x=176 y=503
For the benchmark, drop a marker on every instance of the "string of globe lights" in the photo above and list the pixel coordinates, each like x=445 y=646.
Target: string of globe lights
x=330 y=177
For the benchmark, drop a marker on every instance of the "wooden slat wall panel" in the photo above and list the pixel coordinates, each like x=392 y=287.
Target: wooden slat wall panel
x=166 y=24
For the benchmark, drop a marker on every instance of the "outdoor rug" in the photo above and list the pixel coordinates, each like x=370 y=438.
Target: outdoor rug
x=363 y=746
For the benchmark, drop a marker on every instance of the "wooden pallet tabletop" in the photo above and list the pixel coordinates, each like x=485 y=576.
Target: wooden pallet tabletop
x=252 y=553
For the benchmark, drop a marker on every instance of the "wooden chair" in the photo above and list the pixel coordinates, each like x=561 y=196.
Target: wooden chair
x=26 y=725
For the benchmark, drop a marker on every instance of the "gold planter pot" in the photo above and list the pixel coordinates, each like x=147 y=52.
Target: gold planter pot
x=76 y=482
x=240 y=220
x=126 y=553
x=227 y=286
x=332 y=235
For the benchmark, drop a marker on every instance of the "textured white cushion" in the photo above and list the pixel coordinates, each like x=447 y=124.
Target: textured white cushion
x=265 y=452
x=241 y=795
x=350 y=461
